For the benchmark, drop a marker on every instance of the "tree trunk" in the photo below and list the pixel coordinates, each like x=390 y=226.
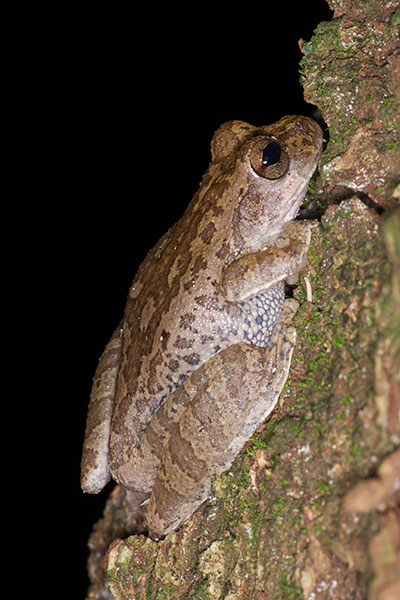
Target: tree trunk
x=310 y=507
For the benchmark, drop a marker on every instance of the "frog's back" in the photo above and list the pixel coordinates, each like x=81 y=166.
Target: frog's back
x=175 y=318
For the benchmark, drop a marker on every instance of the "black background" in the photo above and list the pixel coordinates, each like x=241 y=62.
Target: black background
x=134 y=99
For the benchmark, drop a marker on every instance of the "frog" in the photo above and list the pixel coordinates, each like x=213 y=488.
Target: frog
x=204 y=348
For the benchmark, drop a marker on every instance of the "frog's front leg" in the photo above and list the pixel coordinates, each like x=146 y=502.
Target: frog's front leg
x=242 y=388
x=283 y=260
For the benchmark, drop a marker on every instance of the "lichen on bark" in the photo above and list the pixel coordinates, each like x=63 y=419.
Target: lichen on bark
x=351 y=71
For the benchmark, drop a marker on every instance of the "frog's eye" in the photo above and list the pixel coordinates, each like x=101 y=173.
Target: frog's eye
x=271 y=154
x=269 y=160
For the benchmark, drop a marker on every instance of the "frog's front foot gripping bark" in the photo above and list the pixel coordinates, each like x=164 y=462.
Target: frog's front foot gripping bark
x=207 y=438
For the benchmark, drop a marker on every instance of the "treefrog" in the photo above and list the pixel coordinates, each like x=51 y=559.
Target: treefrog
x=204 y=347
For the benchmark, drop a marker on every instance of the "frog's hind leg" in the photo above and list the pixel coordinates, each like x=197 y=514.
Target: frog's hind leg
x=95 y=469
x=242 y=389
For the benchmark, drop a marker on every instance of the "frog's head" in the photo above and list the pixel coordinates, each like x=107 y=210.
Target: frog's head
x=275 y=164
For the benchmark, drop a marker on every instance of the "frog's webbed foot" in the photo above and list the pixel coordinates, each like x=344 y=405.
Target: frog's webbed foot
x=95 y=469
x=242 y=389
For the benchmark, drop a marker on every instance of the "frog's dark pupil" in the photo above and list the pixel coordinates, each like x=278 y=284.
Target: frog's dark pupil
x=271 y=154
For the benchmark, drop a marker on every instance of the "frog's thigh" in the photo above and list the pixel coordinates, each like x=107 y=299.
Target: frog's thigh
x=138 y=471
x=95 y=469
x=243 y=387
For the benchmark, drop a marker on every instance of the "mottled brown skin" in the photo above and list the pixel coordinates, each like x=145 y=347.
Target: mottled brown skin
x=197 y=367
